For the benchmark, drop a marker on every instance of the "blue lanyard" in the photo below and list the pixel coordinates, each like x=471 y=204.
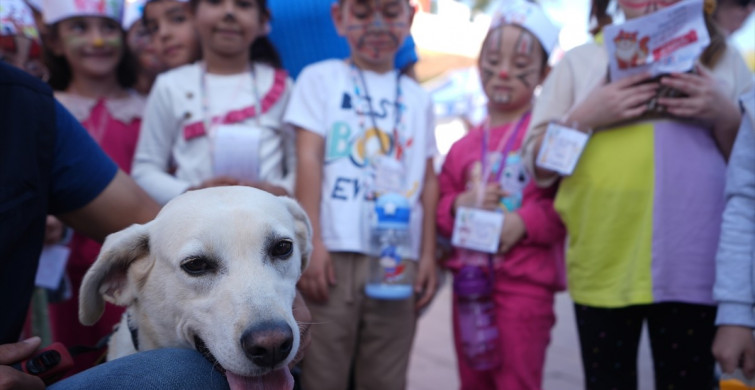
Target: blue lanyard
x=372 y=113
x=506 y=150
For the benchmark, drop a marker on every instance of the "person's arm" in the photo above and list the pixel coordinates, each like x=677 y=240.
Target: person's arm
x=319 y=274
x=425 y=284
x=121 y=204
x=735 y=260
x=541 y=221
x=153 y=150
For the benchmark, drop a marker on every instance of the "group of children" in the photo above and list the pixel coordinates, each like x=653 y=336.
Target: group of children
x=637 y=222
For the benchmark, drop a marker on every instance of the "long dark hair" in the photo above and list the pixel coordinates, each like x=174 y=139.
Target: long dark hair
x=600 y=16
x=262 y=49
x=60 y=70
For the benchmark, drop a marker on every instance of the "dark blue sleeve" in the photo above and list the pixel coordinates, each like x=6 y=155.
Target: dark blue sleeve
x=80 y=169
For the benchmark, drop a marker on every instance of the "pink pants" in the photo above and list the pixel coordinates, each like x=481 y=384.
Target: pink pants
x=524 y=325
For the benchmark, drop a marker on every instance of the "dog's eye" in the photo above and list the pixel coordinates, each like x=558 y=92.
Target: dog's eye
x=282 y=248
x=197 y=266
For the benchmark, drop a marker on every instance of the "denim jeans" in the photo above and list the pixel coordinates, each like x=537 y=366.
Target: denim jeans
x=162 y=369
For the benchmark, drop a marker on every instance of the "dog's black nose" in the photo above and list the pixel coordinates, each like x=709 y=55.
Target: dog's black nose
x=268 y=343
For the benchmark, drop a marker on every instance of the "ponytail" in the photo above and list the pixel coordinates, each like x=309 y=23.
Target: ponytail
x=263 y=51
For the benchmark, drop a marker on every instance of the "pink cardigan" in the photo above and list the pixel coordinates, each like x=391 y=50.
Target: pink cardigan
x=535 y=264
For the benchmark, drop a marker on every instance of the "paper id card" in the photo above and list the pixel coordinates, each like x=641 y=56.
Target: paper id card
x=389 y=174
x=477 y=229
x=236 y=152
x=562 y=146
x=52 y=266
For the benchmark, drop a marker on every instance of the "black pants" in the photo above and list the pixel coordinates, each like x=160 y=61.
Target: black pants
x=681 y=335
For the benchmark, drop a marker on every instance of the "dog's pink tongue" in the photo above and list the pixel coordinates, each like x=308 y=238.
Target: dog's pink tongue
x=279 y=379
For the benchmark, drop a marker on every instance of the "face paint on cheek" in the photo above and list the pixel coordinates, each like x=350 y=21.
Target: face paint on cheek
x=528 y=77
x=74 y=42
x=524 y=44
x=114 y=42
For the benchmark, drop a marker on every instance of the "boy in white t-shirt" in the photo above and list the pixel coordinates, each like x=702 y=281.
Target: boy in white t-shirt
x=361 y=122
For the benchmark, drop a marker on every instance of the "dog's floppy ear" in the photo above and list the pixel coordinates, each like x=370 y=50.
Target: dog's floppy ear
x=115 y=272
x=303 y=229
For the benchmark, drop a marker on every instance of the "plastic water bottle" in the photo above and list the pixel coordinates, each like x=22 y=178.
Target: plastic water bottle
x=387 y=277
x=476 y=316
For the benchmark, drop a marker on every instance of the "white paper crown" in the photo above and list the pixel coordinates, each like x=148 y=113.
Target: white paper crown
x=132 y=11
x=54 y=11
x=16 y=19
x=529 y=16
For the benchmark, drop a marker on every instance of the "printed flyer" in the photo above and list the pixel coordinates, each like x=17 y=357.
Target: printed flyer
x=666 y=41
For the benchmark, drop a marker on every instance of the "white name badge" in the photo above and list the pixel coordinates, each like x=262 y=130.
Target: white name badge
x=477 y=229
x=389 y=174
x=236 y=152
x=561 y=149
x=52 y=266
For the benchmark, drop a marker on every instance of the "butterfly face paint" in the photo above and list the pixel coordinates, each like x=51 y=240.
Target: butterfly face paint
x=510 y=66
x=374 y=29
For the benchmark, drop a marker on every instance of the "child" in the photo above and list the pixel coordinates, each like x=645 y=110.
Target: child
x=91 y=74
x=218 y=121
x=643 y=206
x=355 y=118
x=734 y=289
x=527 y=268
x=171 y=26
x=20 y=43
x=140 y=44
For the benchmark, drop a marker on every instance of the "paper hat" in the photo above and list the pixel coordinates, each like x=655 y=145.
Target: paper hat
x=529 y=16
x=16 y=18
x=132 y=11
x=36 y=4
x=54 y=11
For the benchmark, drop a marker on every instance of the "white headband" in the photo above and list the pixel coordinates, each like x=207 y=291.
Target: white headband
x=529 y=16
x=54 y=11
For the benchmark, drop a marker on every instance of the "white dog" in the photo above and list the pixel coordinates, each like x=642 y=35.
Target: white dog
x=215 y=271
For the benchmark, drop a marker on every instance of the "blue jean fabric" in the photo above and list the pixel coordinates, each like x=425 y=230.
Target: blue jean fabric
x=162 y=369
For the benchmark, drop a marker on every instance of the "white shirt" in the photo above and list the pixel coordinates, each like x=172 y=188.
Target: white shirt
x=325 y=102
x=174 y=138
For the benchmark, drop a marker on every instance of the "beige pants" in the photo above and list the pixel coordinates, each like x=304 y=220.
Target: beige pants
x=351 y=329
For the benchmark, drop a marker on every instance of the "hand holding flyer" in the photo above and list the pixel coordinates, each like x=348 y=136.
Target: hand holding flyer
x=666 y=41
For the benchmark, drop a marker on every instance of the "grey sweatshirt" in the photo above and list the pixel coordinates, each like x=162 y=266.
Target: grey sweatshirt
x=734 y=289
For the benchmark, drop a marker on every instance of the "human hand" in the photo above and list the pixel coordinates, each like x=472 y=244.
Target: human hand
x=216 y=181
x=265 y=186
x=319 y=275
x=426 y=283
x=614 y=102
x=54 y=230
x=304 y=319
x=705 y=100
x=491 y=196
x=512 y=232
x=734 y=346
x=11 y=378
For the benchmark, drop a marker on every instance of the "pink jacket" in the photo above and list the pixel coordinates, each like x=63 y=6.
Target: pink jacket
x=535 y=264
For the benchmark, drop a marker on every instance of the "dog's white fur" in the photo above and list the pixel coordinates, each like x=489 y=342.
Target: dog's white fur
x=141 y=267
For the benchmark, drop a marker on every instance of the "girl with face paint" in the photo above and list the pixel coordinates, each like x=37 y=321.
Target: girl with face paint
x=92 y=74
x=484 y=170
x=643 y=206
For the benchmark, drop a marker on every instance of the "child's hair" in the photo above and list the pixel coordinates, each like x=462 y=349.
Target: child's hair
x=60 y=70
x=262 y=49
x=712 y=53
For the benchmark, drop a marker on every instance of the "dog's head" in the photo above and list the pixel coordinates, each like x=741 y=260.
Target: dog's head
x=216 y=271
